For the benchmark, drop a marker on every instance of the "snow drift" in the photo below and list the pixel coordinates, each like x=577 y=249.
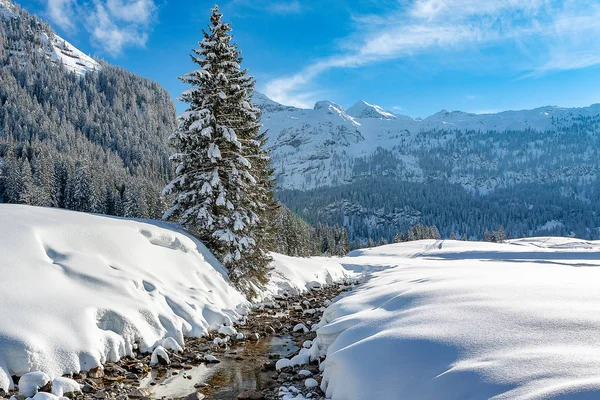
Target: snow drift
x=81 y=289
x=292 y=275
x=455 y=320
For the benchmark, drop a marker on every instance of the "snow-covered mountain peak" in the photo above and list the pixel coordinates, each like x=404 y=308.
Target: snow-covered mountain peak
x=53 y=46
x=331 y=108
x=328 y=105
x=449 y=114
x=362 y=109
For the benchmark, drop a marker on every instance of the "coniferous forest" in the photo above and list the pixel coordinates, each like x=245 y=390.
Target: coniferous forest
x=95 y=143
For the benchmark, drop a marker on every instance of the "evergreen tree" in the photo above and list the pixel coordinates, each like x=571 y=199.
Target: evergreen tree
x=12 y=176
x=222 y=182
x=27 y=190
x=80 y=190
x=486 y=236
x=498 y=236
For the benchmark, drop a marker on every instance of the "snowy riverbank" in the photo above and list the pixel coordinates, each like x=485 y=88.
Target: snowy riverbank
x=80 y=290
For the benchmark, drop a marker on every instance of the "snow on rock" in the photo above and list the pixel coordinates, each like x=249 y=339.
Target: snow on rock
x=47 y=396
x=457 y=320
x=311 y=383
x=169 y=344
x=293 y=276
x=283 y=363
x=210 y=358
x=81 y=289
x=158 y=354
x=227 y=330
x=31 y=382
x=62 y=386
x=301 y=327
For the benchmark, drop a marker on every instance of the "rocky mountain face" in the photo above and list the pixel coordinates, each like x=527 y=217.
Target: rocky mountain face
x=328 y=151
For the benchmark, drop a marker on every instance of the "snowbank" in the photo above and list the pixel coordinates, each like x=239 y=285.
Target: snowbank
x=461 y=320
x=81 y=289
x=293 y=275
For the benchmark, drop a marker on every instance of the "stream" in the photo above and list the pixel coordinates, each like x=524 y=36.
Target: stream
x=240 y=370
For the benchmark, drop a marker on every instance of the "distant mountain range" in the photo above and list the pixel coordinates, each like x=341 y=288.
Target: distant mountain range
x=547 y=157
x=375 y=172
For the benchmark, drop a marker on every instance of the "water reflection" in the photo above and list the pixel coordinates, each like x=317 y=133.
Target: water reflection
x=240 y=369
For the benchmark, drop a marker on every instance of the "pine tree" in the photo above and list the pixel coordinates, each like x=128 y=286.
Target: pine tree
x=486 y=236
x=498 y=236
x=80 y=190
x=12 y=176
x=27 y=191
x=222 y=179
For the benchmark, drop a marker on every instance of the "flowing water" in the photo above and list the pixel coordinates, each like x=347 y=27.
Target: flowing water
x=239 y=371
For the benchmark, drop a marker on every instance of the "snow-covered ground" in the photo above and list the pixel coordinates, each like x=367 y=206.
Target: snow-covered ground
x=467 y=320
x=293 y=275
x=80 y=289
x=432 y=320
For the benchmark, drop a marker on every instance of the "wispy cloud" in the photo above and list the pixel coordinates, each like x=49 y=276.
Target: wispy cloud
x=551 y=35
x=113 y=24
x=290 y=7
x=280 y=7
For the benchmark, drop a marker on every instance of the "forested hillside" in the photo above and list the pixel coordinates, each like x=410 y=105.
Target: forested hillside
x=75 y=133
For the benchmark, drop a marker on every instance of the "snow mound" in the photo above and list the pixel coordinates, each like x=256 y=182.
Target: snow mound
x=82 y=289
x=462 y=320
x=62 y=386
x=291 y=275
x=31 y=382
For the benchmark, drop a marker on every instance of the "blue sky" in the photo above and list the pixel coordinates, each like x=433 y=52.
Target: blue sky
x=412 y=57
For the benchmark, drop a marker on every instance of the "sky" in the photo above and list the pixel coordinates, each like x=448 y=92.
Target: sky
x=412 y=57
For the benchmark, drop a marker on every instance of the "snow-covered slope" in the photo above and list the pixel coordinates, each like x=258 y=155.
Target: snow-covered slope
x=53 y=46
x=463 y=320
x=292 y=275
x=80 y=289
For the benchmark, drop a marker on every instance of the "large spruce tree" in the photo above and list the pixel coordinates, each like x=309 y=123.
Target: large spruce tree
x=223 y=187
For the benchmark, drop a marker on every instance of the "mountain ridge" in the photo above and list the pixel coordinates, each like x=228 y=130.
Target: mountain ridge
x=54 y=47
x=333 y=168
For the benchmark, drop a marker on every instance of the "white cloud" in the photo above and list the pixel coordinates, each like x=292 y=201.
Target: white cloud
x=61 y=13
x=550 y=34
x=291 y=7
x=270 y=6
x=113 y=24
